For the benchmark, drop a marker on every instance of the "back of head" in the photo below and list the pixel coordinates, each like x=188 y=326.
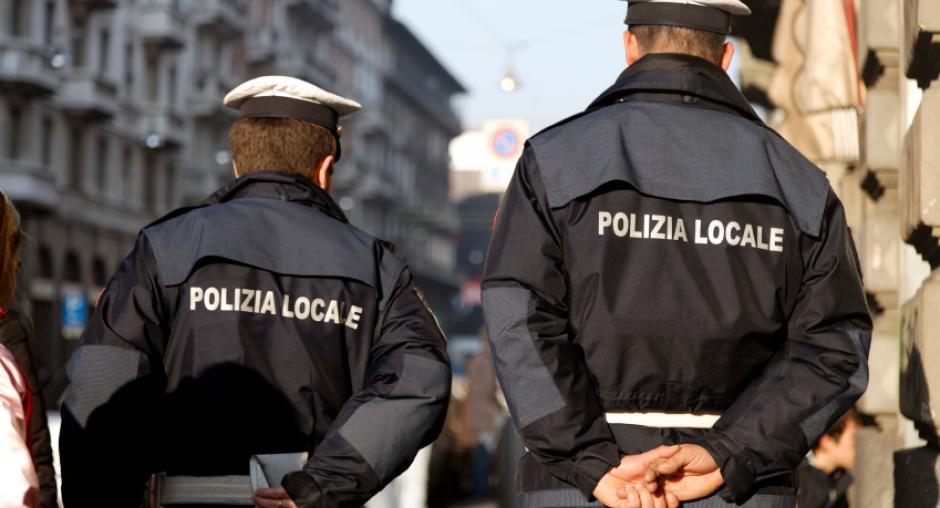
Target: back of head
x=279 y=144
x=678 y=39
x=10 y=234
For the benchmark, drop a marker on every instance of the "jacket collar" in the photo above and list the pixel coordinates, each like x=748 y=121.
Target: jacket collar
x=677 y=74
x=278 y=185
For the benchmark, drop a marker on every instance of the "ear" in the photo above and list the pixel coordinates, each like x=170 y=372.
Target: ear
x=324 y=173
x=235 y=168
x=826 y=442
x=727 y=54
x=632 y=47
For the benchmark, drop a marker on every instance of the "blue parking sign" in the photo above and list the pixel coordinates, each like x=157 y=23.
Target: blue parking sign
x=74 y=312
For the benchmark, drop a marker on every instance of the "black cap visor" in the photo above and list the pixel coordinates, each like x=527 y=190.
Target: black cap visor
x=674 y=14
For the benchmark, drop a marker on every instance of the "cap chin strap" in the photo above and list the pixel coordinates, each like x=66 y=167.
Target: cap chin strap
x=697 y=17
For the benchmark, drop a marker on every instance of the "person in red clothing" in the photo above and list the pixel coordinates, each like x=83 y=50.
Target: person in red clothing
x=19 y=485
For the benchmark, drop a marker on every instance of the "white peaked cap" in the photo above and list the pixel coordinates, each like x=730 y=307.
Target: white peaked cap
x=287 y=97
x=289 y=88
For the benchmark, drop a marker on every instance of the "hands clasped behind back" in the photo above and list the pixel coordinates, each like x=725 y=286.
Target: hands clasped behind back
x=661 y=478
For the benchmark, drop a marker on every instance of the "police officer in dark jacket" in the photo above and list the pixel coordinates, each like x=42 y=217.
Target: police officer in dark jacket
x=260 y=322
x=665 y=269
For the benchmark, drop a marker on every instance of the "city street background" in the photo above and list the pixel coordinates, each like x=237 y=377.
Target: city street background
x=111 y=116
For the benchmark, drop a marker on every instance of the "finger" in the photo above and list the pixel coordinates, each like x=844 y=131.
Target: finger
x=659 y=500
x=272 y=493
x=622 y=472
x=670 y=466
x=671 y=500
x=261 y=502
x=646 y=499
x=622 y=492
x=662 y=452
x=633 y=499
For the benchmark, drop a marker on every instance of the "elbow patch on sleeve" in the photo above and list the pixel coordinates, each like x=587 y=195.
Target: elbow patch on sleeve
x=816 y=424
x=530 y=389
x=388 y=431
x=96 y=372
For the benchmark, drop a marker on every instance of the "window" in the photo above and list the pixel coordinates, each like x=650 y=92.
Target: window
x=101 y=166
x=172 y=88
x=49 y=27
x=47 y=127
x=104 y=43
x=150 y=180
x=129 y=69
x=46 y=268
x=169 y=190
x=99 y=271
x=17 y=17
x=151 y=81
x=127 y=162
x=16 y=132
x=73 y=267
x=76 y=155
x=78 y=42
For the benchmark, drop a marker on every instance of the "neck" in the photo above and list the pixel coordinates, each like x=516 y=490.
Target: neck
x=825 y=463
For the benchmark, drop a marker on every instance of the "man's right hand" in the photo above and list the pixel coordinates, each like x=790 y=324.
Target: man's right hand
x=634 y=485
x=690 y=473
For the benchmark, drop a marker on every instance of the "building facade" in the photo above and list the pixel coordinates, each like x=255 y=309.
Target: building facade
x=855 y=87
x=111 y=115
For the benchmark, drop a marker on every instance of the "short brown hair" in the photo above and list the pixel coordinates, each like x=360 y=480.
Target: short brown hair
x=679 y=39
x=10 y=234
x=279 y=144
x=837 y=429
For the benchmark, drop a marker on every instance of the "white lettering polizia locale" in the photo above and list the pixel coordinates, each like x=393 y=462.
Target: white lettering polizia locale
x=256 y=301
x=714 y=232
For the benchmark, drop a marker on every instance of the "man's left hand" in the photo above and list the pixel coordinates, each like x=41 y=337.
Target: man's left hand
x=273 y=498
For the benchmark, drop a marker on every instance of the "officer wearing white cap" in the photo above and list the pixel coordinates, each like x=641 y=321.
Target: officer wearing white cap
x=257 y=349
x=672 y=295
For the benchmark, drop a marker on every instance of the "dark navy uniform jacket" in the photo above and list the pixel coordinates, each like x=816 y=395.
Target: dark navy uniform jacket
x=665 y=251
x=260 y=322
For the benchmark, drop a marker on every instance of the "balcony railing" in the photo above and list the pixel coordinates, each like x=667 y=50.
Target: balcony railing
x=159 y=127
x=85 y=93
x=25 y=67
x=160 y=23
x=225 y=17
x=29 y=182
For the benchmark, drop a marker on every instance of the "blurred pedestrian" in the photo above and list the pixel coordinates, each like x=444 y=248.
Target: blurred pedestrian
x=825 y=476
x=482 y=415
x=19 y=485
x=257 y=349
x=667 y=270
x=15 y=332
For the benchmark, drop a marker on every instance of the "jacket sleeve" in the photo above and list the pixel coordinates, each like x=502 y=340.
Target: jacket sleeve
x=15 y=336
x=817 y=376
x=541 y=371
x=400 y=409
x=109 y=428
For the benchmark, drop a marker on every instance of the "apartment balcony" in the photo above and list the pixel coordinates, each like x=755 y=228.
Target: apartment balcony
x=160 y=128
x=321 y=14
x=160 y=23
x=25 y=68
x=87 y=94
x=224 y=17
x=29 y=183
